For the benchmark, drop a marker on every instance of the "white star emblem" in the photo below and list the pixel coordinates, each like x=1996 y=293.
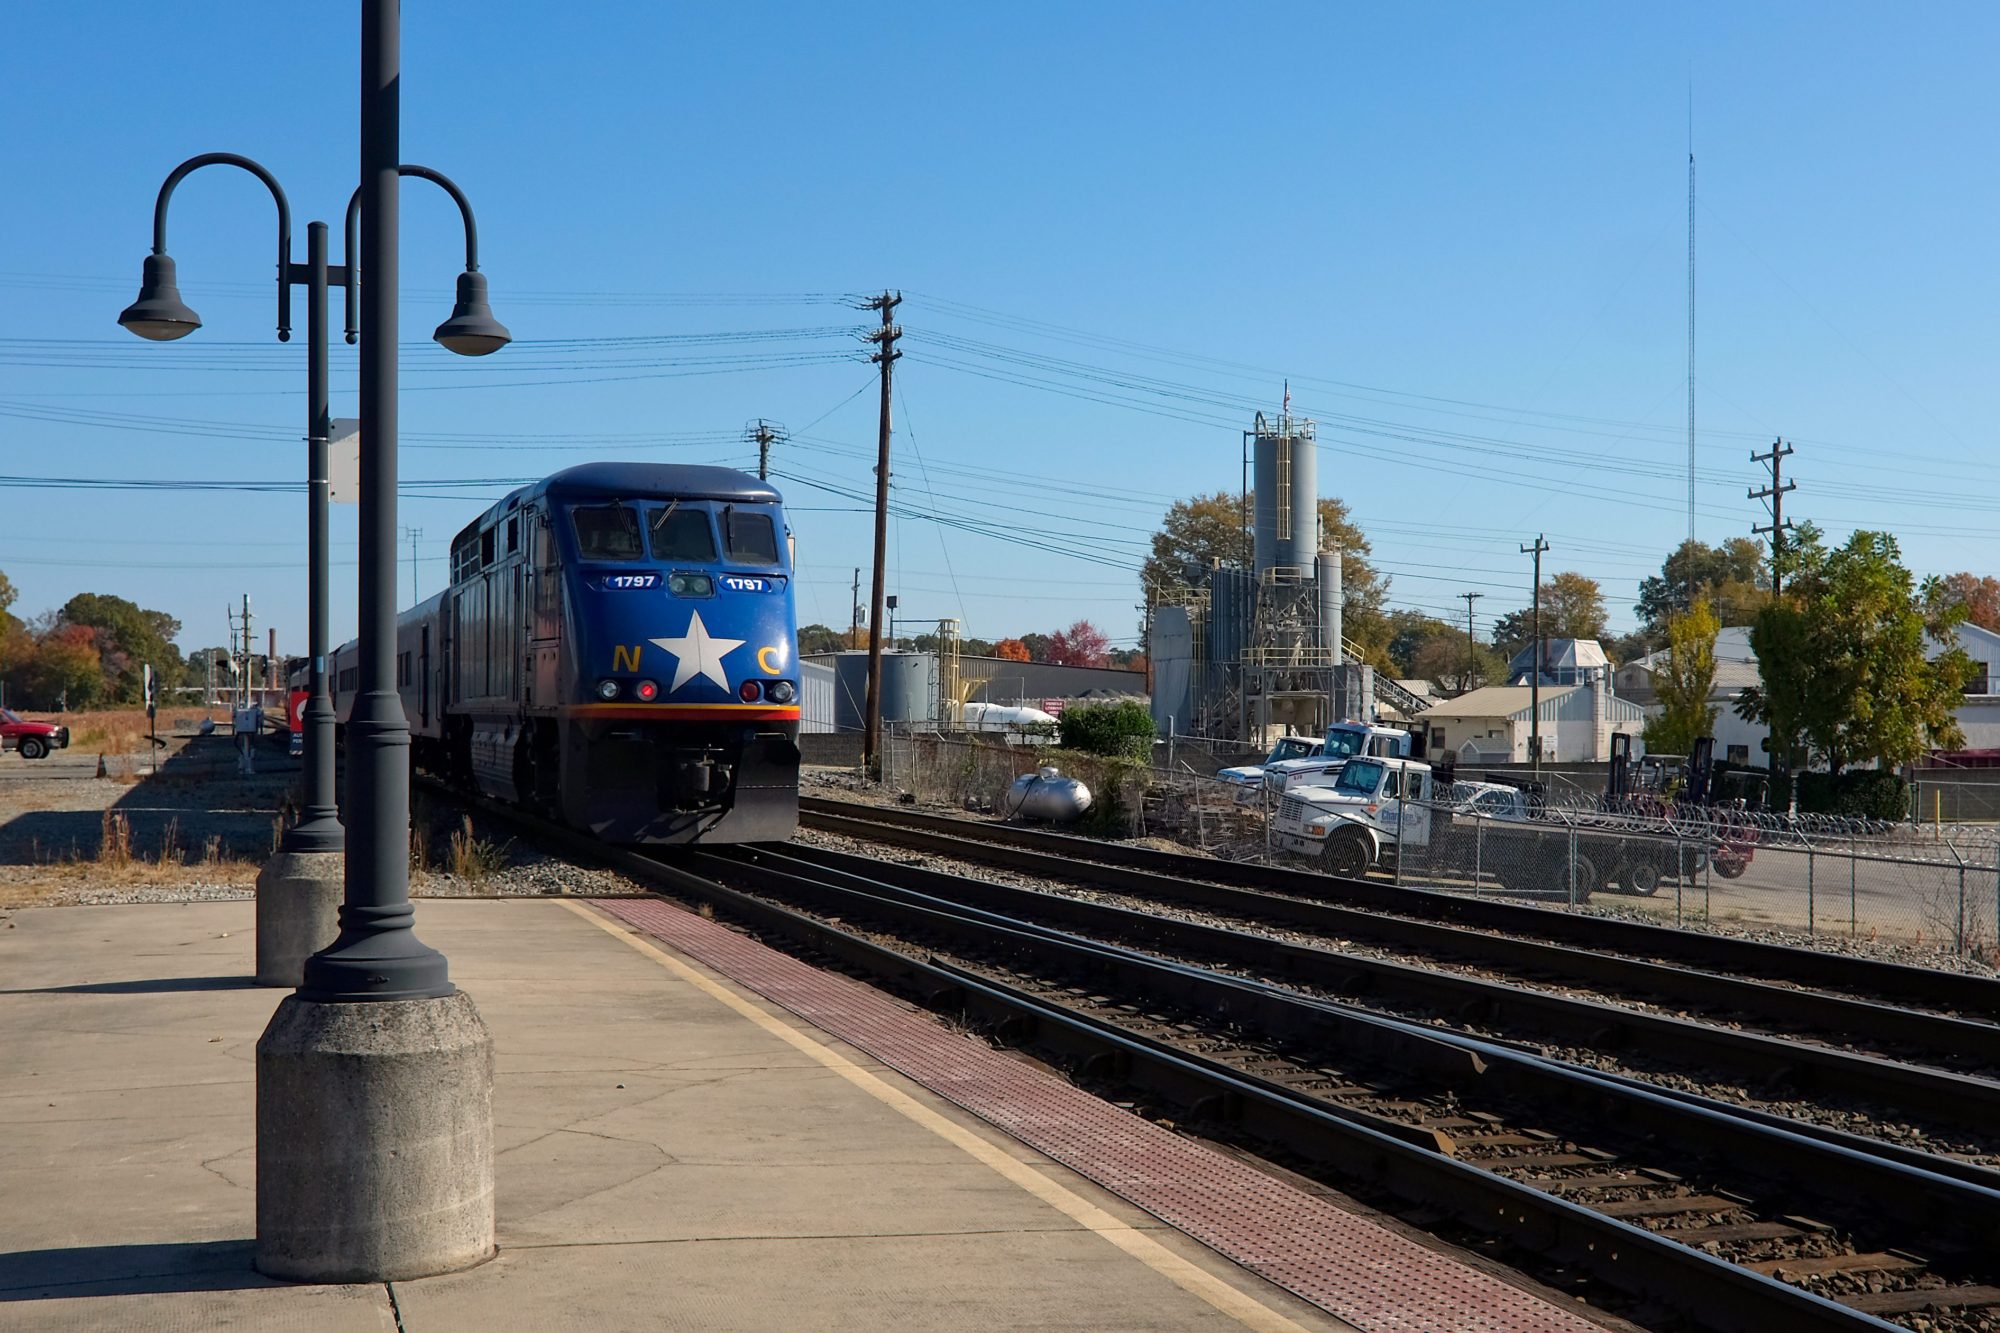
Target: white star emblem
x=697 y=653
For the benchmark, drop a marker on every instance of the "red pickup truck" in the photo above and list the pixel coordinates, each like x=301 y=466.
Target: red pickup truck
x=33 y=739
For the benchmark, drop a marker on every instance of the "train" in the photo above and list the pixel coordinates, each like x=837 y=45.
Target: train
x=616 y=649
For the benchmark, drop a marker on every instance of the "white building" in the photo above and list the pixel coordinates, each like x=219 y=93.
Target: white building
x=1736 y=670
x=1737 y=741
x=1493 y=725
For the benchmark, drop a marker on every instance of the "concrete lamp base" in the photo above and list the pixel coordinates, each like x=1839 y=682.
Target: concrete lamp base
x=374 y=1140
x=298 y=912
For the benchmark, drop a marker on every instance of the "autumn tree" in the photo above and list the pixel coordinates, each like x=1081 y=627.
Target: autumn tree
x=1572 y=608
x=1013 y=650
x=1979 y=595
x=1197 y=532
x=1842 y=656
x=1683 y=682
x=1081 y=645
x=128 y=638
x=61 y=669
x=7 y=596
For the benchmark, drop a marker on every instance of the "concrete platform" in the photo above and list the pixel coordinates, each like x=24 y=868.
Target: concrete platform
x=673 y=1151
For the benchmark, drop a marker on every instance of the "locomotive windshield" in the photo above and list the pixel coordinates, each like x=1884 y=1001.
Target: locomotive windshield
x=680 y=533
x=750 y=537
x=606 y=532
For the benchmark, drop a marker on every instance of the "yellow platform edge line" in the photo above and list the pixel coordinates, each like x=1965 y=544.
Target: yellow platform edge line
x=1238 y=1305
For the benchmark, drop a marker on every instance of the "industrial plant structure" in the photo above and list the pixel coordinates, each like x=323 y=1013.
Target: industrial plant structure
x=1246 y=651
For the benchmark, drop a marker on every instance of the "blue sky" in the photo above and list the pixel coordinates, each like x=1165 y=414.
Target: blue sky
x=1459 y=230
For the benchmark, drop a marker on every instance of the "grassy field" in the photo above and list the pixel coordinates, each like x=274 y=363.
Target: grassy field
x=123 y=730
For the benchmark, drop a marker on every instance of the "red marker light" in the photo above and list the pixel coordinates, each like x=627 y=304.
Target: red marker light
x=647 y=691
x=749 y=691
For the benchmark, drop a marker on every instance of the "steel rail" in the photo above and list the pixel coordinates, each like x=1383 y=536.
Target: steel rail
x=1899 y=982
x=1632 y=1258
x=1714 y=1293
x=1760 y=1059
x=1950 y=1038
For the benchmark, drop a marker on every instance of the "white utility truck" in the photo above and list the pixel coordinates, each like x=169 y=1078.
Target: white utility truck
x=1302 y=754
x=1377 y=808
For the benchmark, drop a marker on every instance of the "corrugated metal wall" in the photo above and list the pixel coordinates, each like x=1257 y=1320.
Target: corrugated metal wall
x=815 y=697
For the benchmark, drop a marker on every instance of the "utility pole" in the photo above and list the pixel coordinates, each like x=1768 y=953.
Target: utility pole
x=1535 y=682
x=765 y=434
x=1471 y=645
x=239 y=650
x=885 y=337
x=413 y=534
x=1775 y=493
x=854 y=620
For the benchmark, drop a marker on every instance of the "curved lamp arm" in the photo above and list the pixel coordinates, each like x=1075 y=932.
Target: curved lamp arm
x=193 y=164
x=450 y=187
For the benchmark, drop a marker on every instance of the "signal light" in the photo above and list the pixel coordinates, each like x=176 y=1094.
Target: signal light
x=647 y=691
x=779 y=691
x=749 y=691
x=607 y=689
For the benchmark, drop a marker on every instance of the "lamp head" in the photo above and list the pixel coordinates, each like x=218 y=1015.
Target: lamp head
x=159 y=313
x=472 y=330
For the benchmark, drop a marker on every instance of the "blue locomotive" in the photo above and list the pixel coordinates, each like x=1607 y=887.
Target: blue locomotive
x=617 y=649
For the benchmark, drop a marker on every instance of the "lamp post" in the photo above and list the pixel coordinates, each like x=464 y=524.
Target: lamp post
x=375 y=1077
x=300 y=891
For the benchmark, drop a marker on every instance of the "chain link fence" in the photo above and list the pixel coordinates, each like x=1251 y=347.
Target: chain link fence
x=1721 y=868
x=1930 y=886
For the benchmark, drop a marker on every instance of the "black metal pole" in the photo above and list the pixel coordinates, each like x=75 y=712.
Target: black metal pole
x=318 y=829
x=378 y=955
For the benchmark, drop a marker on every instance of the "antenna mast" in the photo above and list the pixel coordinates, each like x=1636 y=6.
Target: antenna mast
x=1690 y=545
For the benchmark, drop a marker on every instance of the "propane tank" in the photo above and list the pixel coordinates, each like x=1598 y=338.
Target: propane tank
x=1046 y=794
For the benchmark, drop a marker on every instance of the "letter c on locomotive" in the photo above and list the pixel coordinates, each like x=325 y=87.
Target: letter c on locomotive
x=764 y=663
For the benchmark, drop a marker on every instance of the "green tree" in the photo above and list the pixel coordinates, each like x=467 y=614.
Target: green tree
x=1197 y=532
x=7 y=596
x=1409 y=631
x=1683 y=683
x=1733 y=577
x=820 y=639
x=1842 y=655
x=1122 y=730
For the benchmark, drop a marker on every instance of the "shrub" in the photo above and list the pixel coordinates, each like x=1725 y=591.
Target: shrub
x=1871 y=793
x=1120 y=730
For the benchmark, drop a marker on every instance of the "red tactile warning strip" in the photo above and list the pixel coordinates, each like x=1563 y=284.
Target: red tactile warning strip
x=1344 y=1264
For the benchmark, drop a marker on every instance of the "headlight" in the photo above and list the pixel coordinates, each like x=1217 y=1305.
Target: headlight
x=780 y=692
x=690 y=585
x=647 y=691
x=607 y=689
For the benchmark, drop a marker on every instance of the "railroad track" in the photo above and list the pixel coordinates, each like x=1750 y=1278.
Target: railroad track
x=1865 y=1003
x=1965 y=994
x=1725 y=1219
